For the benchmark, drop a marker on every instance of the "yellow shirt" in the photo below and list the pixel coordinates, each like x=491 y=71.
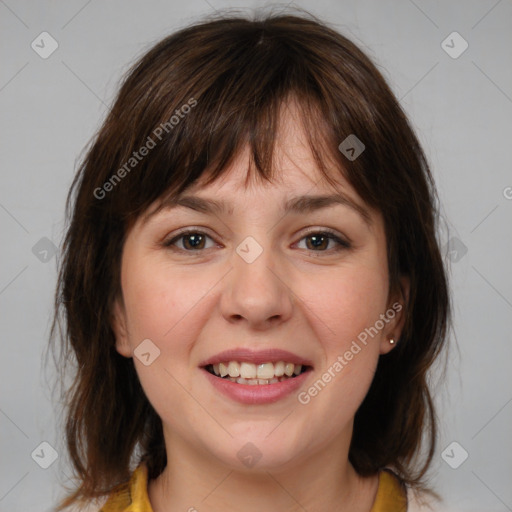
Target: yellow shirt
x=133 y=496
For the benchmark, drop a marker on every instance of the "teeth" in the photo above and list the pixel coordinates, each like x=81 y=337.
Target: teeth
x=288 y=369
x=279 y=369
x=223 y=371
x=247 y=370
x=252 y=374
x=253 y=382
x=234 y=369
x=265 y=371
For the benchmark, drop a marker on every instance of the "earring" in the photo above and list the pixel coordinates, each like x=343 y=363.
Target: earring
x=391 y=341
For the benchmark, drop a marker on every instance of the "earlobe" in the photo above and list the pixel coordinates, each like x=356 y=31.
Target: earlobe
x=387 y=345
x=118 y=321
x=398 y=308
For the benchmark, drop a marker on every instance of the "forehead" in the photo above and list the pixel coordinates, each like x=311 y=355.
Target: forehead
x=294 y=166
x=291 y=178
x=296 y=190
x=296 y=184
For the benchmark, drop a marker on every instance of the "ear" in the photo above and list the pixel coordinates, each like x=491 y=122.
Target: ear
x=119 y=326
x=396 y=316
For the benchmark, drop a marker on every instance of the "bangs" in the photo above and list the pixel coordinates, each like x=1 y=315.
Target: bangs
x=194 y=111
x=259 y=132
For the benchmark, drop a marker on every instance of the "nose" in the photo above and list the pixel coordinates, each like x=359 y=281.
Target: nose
x=257 y=293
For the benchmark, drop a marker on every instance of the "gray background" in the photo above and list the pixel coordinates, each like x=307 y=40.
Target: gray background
x=461 y=108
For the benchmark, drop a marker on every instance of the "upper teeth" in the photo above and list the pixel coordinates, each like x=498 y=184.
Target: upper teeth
x=256 y=371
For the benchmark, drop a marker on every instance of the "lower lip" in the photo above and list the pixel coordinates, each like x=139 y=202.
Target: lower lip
x=257 y=394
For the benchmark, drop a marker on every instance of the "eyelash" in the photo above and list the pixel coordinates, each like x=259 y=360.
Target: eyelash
x=331 y=235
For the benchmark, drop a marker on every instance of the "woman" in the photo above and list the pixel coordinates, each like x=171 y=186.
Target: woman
x=251 y=284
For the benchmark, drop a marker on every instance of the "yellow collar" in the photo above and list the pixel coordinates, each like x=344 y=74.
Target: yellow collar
x=133 y=496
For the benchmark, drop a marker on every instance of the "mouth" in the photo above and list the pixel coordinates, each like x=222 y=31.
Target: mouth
x=262 y=374
x=256 y=377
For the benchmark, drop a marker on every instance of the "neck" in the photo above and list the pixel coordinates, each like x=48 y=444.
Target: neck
x=321 y=481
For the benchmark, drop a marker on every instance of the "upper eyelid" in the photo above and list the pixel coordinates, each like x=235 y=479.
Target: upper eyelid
x=333 y=234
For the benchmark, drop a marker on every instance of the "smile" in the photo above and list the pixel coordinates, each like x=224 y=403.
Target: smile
x=256 y=374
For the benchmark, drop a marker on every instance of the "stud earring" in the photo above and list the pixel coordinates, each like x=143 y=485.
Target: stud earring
x=391 y=341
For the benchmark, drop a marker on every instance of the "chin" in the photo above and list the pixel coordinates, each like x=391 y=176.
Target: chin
x=257 y=451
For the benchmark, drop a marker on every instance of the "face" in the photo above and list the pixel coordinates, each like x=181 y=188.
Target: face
x=304 y=289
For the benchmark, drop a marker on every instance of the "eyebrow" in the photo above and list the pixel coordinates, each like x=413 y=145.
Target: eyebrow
x=299 y=204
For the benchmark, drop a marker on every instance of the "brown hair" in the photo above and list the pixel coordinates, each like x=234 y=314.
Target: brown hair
x=235 y=73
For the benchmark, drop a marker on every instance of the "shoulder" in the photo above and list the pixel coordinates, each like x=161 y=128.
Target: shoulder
x=131 y=495
x=394 y=496
x=391 y=493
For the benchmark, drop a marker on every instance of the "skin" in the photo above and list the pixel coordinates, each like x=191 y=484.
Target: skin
x=294 y=296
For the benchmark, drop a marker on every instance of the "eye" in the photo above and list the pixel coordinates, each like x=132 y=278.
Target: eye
x=319 y=240
x=192 y=240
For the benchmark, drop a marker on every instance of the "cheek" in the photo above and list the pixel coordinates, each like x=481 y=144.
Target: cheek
x=168 y=307
x=156 y=300
x=346 y=302
x=148 y=306
x=160 y=306
x=345 y=305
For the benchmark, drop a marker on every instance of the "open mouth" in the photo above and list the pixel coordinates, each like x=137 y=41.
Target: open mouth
x=256 y=374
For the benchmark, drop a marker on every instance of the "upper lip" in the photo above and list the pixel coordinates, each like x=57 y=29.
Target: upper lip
x=256 y=357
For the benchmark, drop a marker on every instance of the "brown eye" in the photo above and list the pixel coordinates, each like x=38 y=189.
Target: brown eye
x=319 y=241
x=190 y=241
x=194 y=241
